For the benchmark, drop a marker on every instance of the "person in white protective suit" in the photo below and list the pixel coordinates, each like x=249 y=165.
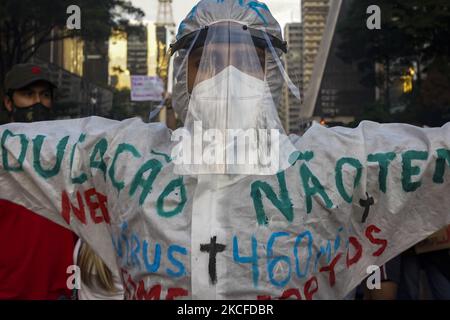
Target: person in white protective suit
x=184 y=215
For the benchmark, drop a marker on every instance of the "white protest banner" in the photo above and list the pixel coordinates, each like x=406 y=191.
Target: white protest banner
x=352 y=198
x=145 y=88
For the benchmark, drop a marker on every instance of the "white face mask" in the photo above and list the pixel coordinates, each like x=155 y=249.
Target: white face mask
x=230 y=100
x=233 y=124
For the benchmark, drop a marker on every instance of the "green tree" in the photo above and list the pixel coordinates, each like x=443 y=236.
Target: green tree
x=431 y=105
x=367 y=47
x=26 y=25
x=413 y=32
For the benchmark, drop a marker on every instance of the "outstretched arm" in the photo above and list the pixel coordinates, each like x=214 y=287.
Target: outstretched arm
x=56 y=169
x=385 y=185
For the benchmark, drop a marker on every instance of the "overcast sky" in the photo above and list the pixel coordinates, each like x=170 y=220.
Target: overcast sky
x=284 y=10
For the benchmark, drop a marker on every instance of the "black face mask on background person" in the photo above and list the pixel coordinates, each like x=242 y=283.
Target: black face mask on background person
x=36 y=112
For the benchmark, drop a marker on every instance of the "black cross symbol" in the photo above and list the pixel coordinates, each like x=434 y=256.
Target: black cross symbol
x=212 y=248
x=366 y=204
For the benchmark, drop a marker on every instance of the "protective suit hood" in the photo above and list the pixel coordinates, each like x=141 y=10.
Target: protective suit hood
x=253 y=14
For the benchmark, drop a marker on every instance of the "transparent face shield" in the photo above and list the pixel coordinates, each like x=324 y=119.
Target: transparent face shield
x=232 y=124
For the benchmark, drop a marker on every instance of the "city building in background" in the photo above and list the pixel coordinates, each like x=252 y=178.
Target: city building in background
x=96 y=62
x=161 y=47
x=137 y=51
x=124 y=53
x=342 y=96
x=141 y=51
x=165 y=32
x=152 y=49
x=165 y=26
x=67 y=53
x=119 y=75
x=336 y=95
x=81 y=73
x=289 y=109
x=73 y=57
x=314 y=19
x=141 y=42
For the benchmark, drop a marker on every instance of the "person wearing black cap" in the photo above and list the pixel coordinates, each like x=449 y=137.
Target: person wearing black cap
x=29 y=93
x=35 y=252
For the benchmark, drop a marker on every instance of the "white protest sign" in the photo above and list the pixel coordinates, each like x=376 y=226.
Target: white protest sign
x=145 y=88
x=351 y=199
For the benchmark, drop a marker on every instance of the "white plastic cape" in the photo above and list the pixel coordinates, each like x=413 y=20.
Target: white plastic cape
x=352 y=198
